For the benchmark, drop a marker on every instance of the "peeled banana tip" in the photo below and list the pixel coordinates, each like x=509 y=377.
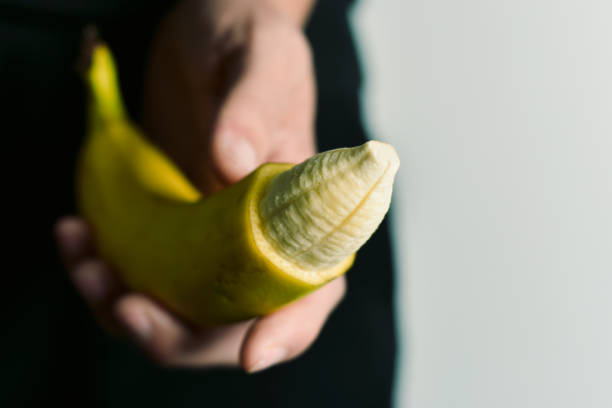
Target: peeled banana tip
x=382 y=153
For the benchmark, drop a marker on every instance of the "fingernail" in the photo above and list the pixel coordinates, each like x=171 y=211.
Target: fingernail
x=139 y=324
x=91 y=282
x=238 y=156
x=271 y=357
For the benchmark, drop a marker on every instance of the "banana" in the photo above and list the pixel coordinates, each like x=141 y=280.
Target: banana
x=245 y=251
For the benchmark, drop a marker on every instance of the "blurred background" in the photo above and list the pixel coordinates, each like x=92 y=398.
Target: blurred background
x=502 y=114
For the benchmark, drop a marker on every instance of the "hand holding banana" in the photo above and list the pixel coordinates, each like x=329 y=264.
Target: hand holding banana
x=245 y=251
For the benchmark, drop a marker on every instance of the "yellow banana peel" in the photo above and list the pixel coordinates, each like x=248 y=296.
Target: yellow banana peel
x=244 y=251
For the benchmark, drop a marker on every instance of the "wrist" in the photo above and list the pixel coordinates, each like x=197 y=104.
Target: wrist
x=297 y=11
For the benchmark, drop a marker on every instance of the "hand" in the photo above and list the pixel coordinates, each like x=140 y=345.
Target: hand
x=235 y=80
x=230 y=85
x=254 y=345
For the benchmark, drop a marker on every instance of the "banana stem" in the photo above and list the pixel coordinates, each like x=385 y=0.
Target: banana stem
x=103 y=83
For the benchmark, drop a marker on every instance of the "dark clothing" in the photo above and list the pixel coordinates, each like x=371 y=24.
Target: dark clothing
x=54 y=352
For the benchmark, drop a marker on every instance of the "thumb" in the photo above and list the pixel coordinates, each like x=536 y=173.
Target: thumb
x=268 y=114
x=235 y=153
x=241 y=139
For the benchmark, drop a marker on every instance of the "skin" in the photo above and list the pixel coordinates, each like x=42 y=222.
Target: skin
x=230 y=85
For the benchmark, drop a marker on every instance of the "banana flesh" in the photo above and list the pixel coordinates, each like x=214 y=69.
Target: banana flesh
x=245 y=251
x=324 y=209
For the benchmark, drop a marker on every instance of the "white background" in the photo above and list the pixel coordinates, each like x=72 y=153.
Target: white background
x=502 y=114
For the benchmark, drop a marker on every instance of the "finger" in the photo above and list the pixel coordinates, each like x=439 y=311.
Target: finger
x=169 y=342
x=240 y=141
x=93 y=279
x=100 y=288
x=288 y=332
x=73 y=239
